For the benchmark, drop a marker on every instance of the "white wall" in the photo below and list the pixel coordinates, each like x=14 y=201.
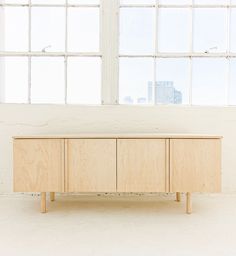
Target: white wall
x=54 y=119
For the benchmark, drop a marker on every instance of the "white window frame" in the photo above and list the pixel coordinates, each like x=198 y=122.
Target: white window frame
x=109 y=45
x=191 y=54
x=29 y=54
x=110 y=51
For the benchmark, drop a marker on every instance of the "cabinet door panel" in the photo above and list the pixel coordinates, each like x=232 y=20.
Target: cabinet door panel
x=195 y=165
x=39 y=165
x=91 y=165
x=141 y=165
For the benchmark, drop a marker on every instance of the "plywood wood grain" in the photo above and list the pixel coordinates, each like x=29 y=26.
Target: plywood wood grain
x=195 y=165
x=91 y=165
x=39 y=165
x=141 y=165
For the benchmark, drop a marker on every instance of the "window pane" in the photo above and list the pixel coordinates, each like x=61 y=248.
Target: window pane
x=2 y=28
x=175 y=1
x=48 y=2
x=84 y=80
x=47 y=80
x=15 y=1
x=174 y=30
x=211 y=2
x=232 y=87
x=136 y=74
x=210 y=30
x=83 y=29
x=137 y=1
x=173 y=77
x=14 y=79
x=209 y=81
x=137 y=30
x=16 y=29
x=83 y=1
x=233 y=30
x=48 y=34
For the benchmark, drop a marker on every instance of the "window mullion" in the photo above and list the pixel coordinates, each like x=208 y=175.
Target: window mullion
x=2 y=66
x=154 y=87
x=109 y=45
x=229 y=12
x=191 y=50
x=29 y=57
x=66 y=49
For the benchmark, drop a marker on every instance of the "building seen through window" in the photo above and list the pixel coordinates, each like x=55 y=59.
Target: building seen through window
x=162 y=92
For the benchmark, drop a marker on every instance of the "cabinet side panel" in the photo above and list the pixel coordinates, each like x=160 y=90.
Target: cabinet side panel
x=91 y=165
x=38 y=165
x=141 y=165
x=195 y=165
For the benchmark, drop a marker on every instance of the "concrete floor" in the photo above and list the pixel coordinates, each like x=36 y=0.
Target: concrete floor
x=118 y=226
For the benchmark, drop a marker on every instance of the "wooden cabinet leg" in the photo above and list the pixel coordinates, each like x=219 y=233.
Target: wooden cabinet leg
x=188 y=203
x=178 y=197
x=52 y=196
x=43 y=202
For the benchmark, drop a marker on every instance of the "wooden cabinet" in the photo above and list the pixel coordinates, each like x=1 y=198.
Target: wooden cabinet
x=39 y=165
x=141 y=165
x=91 y=165
x=195 y=165
x=117 y=163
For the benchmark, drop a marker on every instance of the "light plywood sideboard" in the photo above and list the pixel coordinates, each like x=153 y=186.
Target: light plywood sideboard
x=180 y=163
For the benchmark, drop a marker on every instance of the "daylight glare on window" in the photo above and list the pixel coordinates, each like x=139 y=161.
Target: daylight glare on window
x=150 y=52
x=181 y=55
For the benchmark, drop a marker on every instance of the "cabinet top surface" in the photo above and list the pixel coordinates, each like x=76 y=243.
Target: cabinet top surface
x=120 y=136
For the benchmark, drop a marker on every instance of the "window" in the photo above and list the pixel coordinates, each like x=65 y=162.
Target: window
x=134 y=74
x=84 y=88
x=137 y=30
x=118 y=52
x=47 y=47
x=177 y=52
x=19 y=67
x=209 y=77
x=173 y=33
x=210 y=30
